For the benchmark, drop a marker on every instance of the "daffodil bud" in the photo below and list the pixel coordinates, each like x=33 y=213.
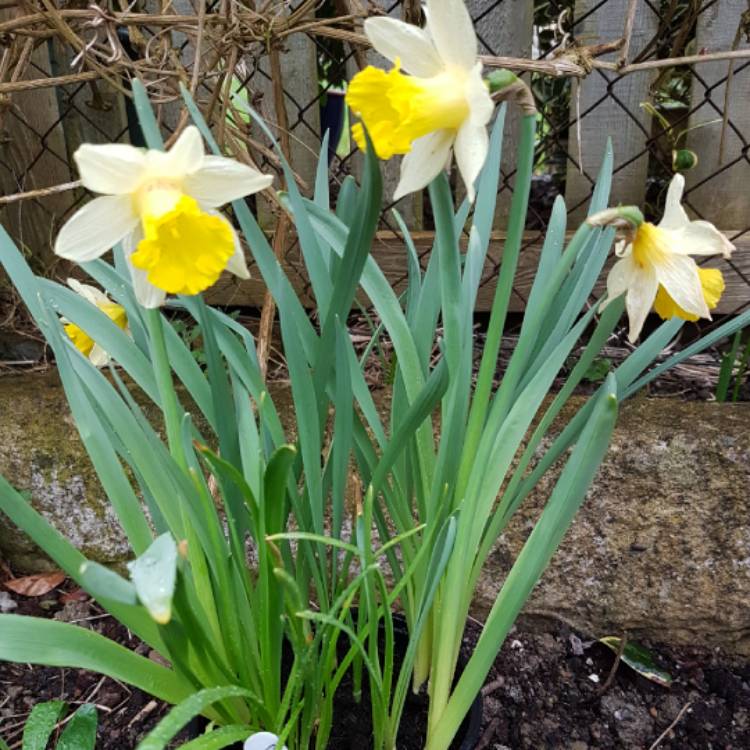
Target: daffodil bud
x=683 y=160
x=500 y=79
x=624 y=217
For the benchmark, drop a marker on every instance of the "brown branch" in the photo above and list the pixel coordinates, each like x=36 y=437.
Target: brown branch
x=627 y=33
x=666 y=732
x=39 y=193
x=268 y=312
x=613 y=671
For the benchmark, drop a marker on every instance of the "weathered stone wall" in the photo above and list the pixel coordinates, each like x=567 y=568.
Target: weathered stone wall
x=661 y=547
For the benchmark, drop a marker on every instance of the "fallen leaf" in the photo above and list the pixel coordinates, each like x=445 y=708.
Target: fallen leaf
x=639 y=659
x=36 y=585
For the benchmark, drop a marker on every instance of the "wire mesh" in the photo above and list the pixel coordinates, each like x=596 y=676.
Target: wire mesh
x=313 y=89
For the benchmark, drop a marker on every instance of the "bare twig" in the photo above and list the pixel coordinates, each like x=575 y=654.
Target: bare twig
x=488 y=734
x=666 y=732
x=39 y=193
x=613 y=670
x=268 y=312
x=627 y=33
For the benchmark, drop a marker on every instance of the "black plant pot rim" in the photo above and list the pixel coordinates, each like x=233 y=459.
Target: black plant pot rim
x=472 y=724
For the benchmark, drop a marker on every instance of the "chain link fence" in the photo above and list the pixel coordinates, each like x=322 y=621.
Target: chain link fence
x=692 y=117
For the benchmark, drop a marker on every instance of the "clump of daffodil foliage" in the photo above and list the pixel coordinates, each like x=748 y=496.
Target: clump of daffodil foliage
x=267 y=564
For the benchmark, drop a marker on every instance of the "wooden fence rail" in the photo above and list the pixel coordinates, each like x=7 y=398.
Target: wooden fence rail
x=40 y=129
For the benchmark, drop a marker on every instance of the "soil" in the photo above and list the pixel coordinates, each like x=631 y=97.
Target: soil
x=548 y=690
x=126 y=714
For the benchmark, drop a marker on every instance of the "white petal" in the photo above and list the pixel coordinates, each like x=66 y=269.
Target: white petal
x=89 y=293
x=146 y=293
x=623 y=249
x=113 y=169
x=640 y=298
x=221 y=180
x=237 y=264
x=423 y=163
x=409 y=44
x=674 y=214
x=186 y=154
x=619 y=279
x=478 y=97
x=95 y=228
x=185 y=157
x=452 y=31
x=678 y=274
x=472 y=144
x=98 y=357
x=702 y=238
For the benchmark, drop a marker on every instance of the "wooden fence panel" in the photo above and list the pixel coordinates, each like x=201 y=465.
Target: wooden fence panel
x=32 y=156
x=390 y=253
x=722 y=199
x=506 y=29
x=609 y=108
x=299 y=69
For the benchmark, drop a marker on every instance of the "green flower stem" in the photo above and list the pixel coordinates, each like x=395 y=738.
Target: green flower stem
x=448 y=627
x=503 y=290
x=163 y=373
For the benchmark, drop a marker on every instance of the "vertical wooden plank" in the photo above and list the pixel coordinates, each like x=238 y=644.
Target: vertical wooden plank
x=299 y=70
x=92 y=112
x=33 y=156
x=722 y=199
x=505 y=28
x=610 y=107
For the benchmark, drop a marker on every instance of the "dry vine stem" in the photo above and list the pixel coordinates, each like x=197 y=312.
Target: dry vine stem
x=220 y=32
x=224 y=41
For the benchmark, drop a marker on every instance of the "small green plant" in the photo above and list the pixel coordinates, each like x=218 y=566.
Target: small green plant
x=191 y=336
x=79 y=732
x=734 y=370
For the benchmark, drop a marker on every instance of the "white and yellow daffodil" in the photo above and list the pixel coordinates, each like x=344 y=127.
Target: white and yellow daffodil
x=442 y=105
x=83 y=342
x=655 y=268
x=161 y=206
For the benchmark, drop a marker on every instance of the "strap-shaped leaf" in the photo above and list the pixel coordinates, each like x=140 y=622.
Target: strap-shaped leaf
x=60 y=644
x=159 y=737
x=41 y=723
x=80 y=733
x=154 y=574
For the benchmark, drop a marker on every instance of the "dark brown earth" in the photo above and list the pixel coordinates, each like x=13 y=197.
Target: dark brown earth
x=545 y=692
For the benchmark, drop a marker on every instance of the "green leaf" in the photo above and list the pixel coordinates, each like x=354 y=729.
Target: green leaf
x=3 y=744
x=59 y=644
x=222 y=737
x=274 y=486
x=154 y=574
x=639 y=659
x=534 y=557
x=41 y=723
x=159 y=737
x=598 y=369
x=146 y=117
x=103 y=583
x=80 y=733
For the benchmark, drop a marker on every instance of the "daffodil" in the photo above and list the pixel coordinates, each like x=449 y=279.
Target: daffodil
x=161 y=206
x=655 y=269
x=83 y=342
x=442 y=105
